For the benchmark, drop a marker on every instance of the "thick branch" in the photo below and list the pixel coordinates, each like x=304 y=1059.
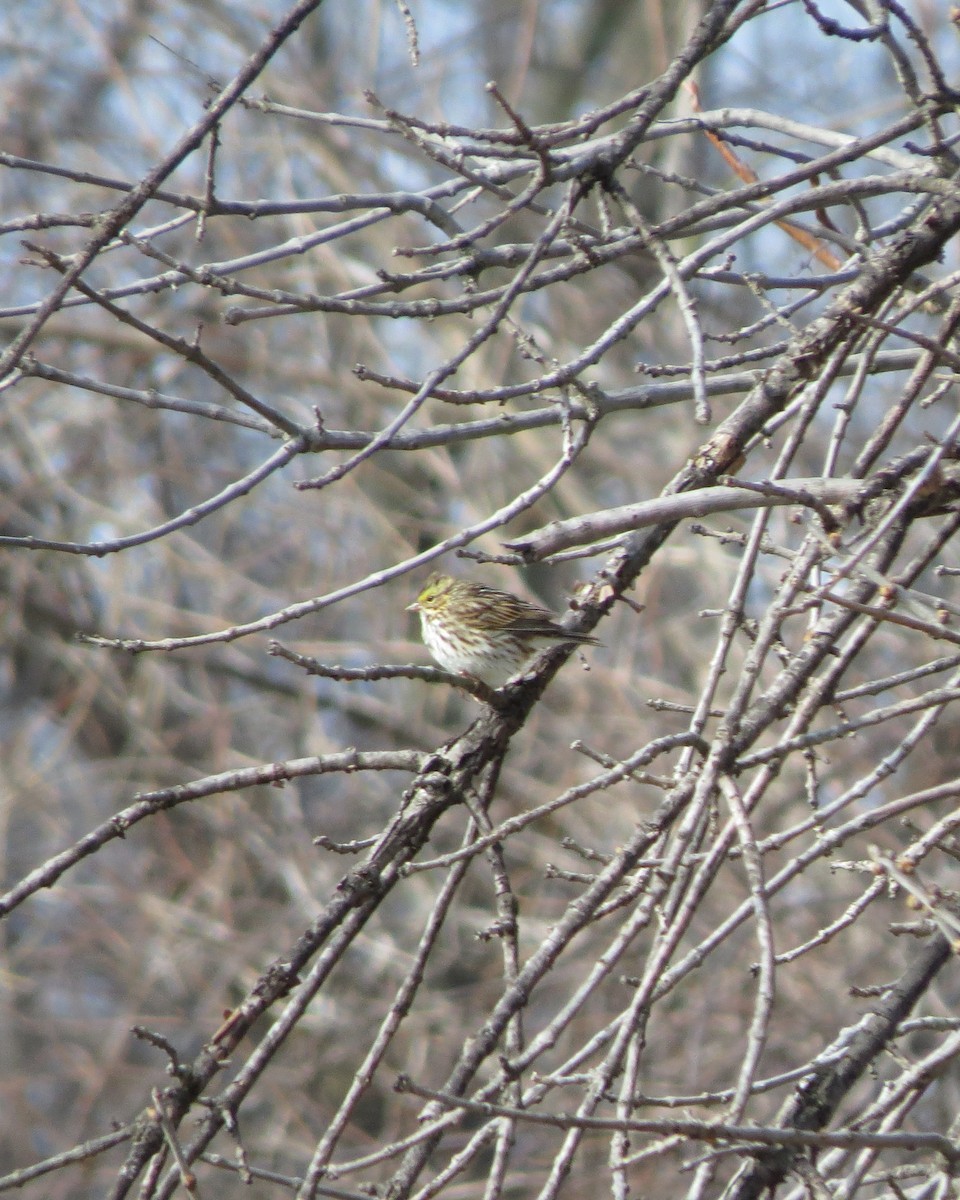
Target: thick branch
x=817 y=1098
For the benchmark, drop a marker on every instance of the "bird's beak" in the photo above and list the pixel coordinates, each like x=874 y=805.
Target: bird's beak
x=414 y=607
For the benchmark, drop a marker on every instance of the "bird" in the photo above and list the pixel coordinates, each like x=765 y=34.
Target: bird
x=478 y=631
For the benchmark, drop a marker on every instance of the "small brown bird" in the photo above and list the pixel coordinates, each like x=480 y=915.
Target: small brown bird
x=472 y=629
